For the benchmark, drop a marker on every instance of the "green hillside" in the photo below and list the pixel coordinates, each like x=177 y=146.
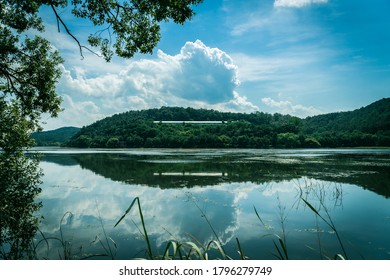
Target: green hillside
x=368 y=126
x=54 y=137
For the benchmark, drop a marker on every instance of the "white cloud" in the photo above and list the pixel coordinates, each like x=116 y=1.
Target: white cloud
x=286 y=107
x=104 y=85
x=273 y=67
x=297 y=3
x=76 y=113
x=90 y=191
x=254 y=21
x=198 y=76
x=239 y=104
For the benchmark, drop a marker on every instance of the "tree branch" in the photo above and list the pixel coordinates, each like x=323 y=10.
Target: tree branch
x=81 y=47
x=9 y=76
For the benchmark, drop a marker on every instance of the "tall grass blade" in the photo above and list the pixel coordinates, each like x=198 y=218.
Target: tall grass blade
x=196 y=241
x=105 y=234
x=282 y=245
x=150 y=252
x=329 y=223
x=44 y=239
x=339 y=256
x=176 y=248
x=315 y=211
x=219 y=247
x=126 y=212
x=258 y=216
x=211 y=226
x=240 y=251
x=279 y=256
x=194 y=247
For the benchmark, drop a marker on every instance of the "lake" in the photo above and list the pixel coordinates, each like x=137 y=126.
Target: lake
x=253 y=196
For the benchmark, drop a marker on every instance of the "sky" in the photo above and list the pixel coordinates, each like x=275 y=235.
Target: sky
x=297 y=57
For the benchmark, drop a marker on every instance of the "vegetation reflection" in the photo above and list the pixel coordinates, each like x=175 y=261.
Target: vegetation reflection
x=19 y=186
x=370 y=171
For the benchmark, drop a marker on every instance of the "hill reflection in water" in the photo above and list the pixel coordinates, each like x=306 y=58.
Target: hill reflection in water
x=369 y=169
x=179 y=189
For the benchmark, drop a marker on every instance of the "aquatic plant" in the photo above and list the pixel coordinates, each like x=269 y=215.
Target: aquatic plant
x=281 y=241
x=328 y=220
x=183 y=250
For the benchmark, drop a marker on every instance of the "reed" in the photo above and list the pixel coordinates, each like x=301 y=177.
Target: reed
x=328 y=220
x=280 y=244
x=65 y=251
x=108 y=240
x=186 y=250
x=145 y=232
x=190 y=249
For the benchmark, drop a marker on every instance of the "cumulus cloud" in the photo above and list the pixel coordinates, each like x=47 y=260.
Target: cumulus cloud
x=198 y=76
x=76 y=113
x=286 y=107
x=100 y=86
x=198 y=73
x=297 y=3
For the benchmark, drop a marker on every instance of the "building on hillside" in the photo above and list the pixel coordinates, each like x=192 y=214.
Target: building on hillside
x=190 y=122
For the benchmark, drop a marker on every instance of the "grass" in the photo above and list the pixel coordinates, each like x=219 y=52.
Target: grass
x=65 y=245
x=146 y=236
x=281 y=241
x=328 y=220
x=191 y=249
x=176 y=249
x=66 y=250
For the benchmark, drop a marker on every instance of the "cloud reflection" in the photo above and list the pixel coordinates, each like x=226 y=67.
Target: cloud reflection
x=185 y=212
x=169 y=213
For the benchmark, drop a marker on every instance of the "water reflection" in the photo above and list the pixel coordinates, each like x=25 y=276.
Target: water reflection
x=194 y=194
x=369 y=170
x=19 y=186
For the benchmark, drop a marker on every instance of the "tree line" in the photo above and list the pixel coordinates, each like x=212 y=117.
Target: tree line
x=368 y=126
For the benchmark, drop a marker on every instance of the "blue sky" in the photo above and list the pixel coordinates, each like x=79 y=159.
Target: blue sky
x=298 y=57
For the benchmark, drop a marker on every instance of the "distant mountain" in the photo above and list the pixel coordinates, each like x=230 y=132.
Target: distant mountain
x=367 y=126
x=54 y=137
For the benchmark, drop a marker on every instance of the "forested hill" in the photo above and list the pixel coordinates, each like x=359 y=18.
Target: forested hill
x=370 y=119
x=54 y=137
x=368 y=126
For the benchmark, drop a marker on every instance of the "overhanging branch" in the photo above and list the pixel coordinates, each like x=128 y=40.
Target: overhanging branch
x=81 y=47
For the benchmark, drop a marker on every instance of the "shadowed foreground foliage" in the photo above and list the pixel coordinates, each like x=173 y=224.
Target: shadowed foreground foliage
x=19 y=186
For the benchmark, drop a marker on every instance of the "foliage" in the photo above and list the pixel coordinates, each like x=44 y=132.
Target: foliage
x=29 y=67
x=136 y=129
x=135 y=23
x=14 y=128
x=29 y=72
x=367 y=126
x=19 y=180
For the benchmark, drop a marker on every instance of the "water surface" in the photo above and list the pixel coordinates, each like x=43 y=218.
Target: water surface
x=204 y=195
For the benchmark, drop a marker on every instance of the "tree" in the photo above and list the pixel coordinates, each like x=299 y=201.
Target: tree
x=29 y=72
x=113 y=142
x=288 y=140
x=29 y=67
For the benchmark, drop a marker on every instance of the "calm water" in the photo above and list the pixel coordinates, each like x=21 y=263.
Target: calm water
x=198 y=194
